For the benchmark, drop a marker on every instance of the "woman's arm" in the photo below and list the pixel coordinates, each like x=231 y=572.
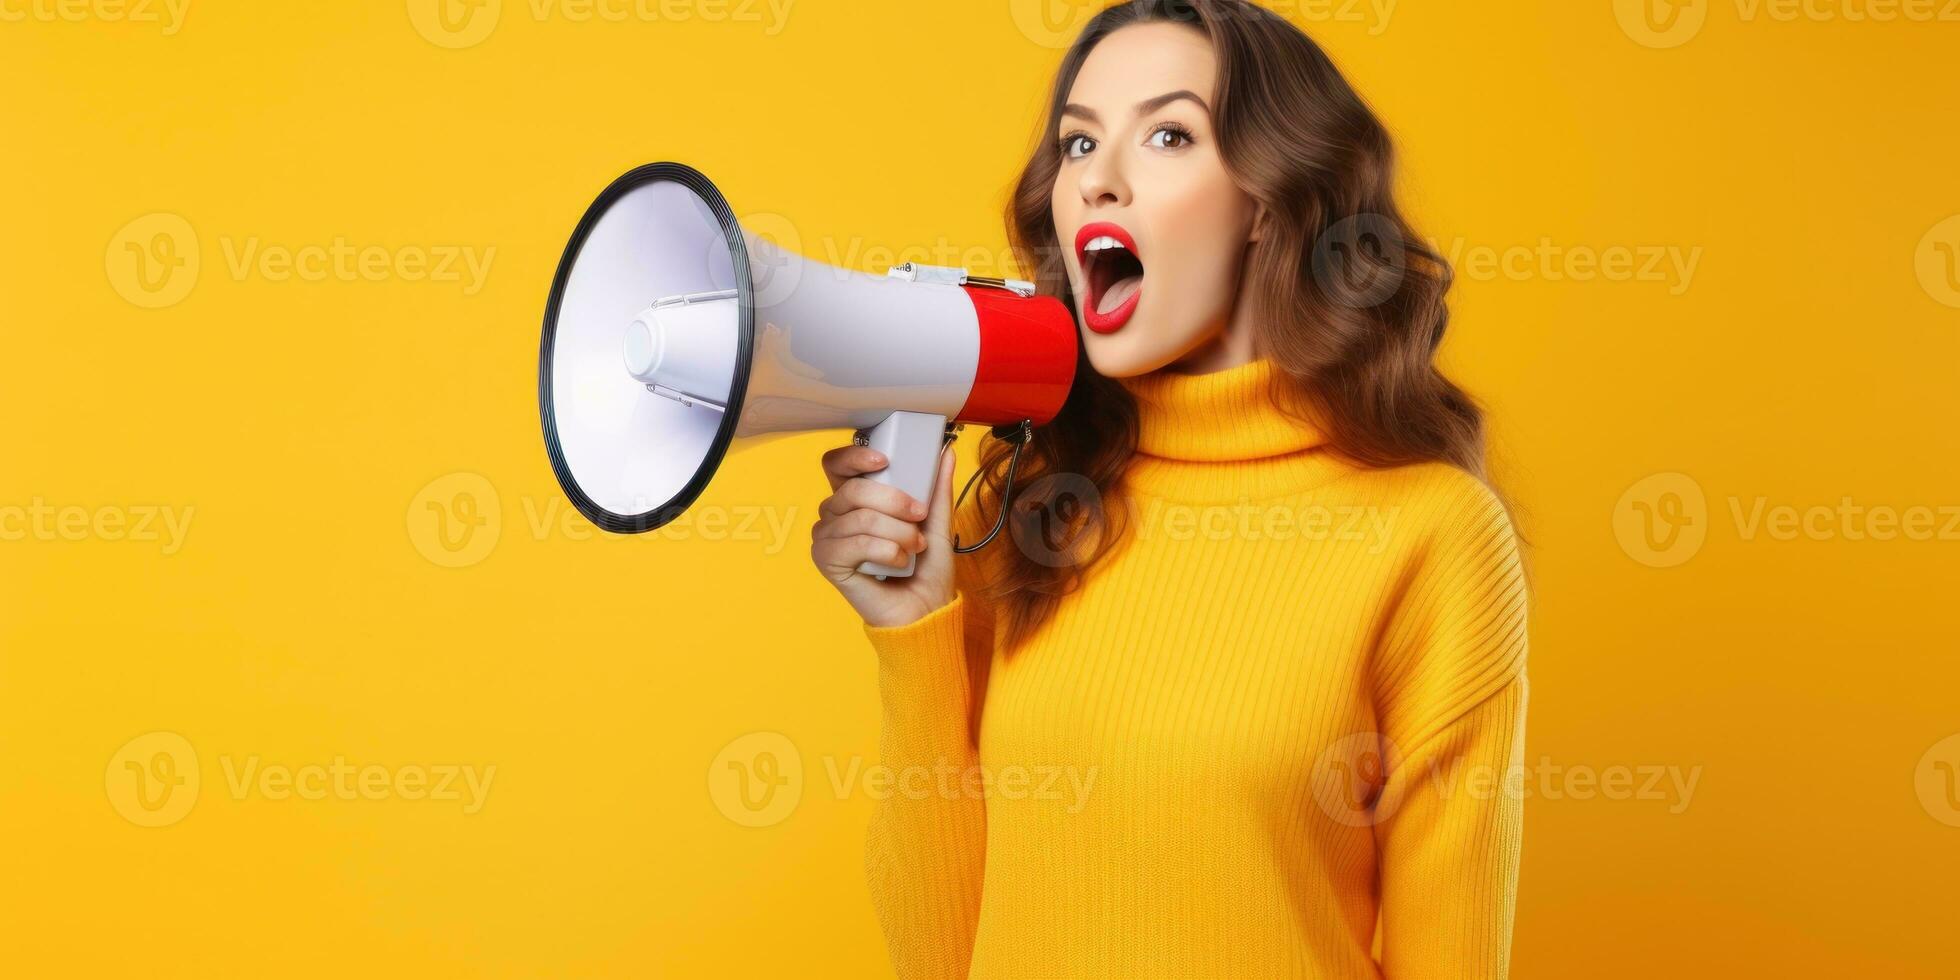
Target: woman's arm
x=1452 y=690
x=925 y=851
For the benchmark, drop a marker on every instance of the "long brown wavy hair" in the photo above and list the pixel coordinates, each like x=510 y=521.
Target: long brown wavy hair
x=1349 y=300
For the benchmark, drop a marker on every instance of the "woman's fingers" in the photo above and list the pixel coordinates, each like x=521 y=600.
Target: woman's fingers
x=905 y=533
x=858 y=493
x=844 y=555
x=845 y=462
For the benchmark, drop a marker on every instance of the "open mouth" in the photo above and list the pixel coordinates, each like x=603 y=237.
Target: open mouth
x=1112 y=273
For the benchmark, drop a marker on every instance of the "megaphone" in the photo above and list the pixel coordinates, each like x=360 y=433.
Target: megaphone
x=672 y=332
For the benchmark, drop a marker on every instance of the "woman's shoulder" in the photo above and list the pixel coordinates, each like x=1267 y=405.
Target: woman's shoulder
x=1435 y=515
x=1432 y=495
x=1462 y=595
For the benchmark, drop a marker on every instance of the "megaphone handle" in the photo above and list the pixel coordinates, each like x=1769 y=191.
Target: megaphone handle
x=911 y=441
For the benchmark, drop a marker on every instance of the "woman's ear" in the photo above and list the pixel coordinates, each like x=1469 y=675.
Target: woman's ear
x=1258 y=224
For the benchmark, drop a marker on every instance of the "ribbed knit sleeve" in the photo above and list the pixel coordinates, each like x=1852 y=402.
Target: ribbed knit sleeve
x=1452 y=693
x=925 y=851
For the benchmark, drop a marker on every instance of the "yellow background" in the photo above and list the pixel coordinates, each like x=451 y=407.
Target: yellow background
x=306 y=426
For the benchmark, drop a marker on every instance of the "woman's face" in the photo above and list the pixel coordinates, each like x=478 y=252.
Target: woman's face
x=1153 y=229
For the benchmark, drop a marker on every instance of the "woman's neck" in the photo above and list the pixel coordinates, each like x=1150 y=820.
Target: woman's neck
x=1229 y=348
x=1211 y=359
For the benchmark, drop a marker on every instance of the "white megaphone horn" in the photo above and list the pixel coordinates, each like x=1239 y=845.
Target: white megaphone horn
x=671 y=332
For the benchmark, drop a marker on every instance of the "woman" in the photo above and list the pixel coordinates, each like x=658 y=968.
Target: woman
x=1237 y=695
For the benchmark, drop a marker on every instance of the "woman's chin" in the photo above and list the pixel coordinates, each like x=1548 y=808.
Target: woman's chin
x=1126 y=353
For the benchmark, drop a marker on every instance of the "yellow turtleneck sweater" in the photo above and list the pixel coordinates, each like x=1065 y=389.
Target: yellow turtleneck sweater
x=1269 y=737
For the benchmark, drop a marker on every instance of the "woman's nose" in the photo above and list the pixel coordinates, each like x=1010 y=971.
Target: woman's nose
x=1103 y=183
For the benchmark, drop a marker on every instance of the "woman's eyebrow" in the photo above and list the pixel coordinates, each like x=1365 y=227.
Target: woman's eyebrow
x=1145 y=107
x=1148 y=106
x=1082 y=111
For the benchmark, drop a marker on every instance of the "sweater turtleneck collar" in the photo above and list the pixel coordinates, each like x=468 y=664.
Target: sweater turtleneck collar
x=1222 y=435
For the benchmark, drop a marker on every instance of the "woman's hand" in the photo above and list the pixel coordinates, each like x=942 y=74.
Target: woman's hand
x=865 y=521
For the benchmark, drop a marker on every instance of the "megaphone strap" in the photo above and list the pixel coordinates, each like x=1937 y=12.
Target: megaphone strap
x=1021 y=433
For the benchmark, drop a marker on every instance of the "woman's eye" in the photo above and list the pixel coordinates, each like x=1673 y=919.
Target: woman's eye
x=1077 y=147
x=1168 y=139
